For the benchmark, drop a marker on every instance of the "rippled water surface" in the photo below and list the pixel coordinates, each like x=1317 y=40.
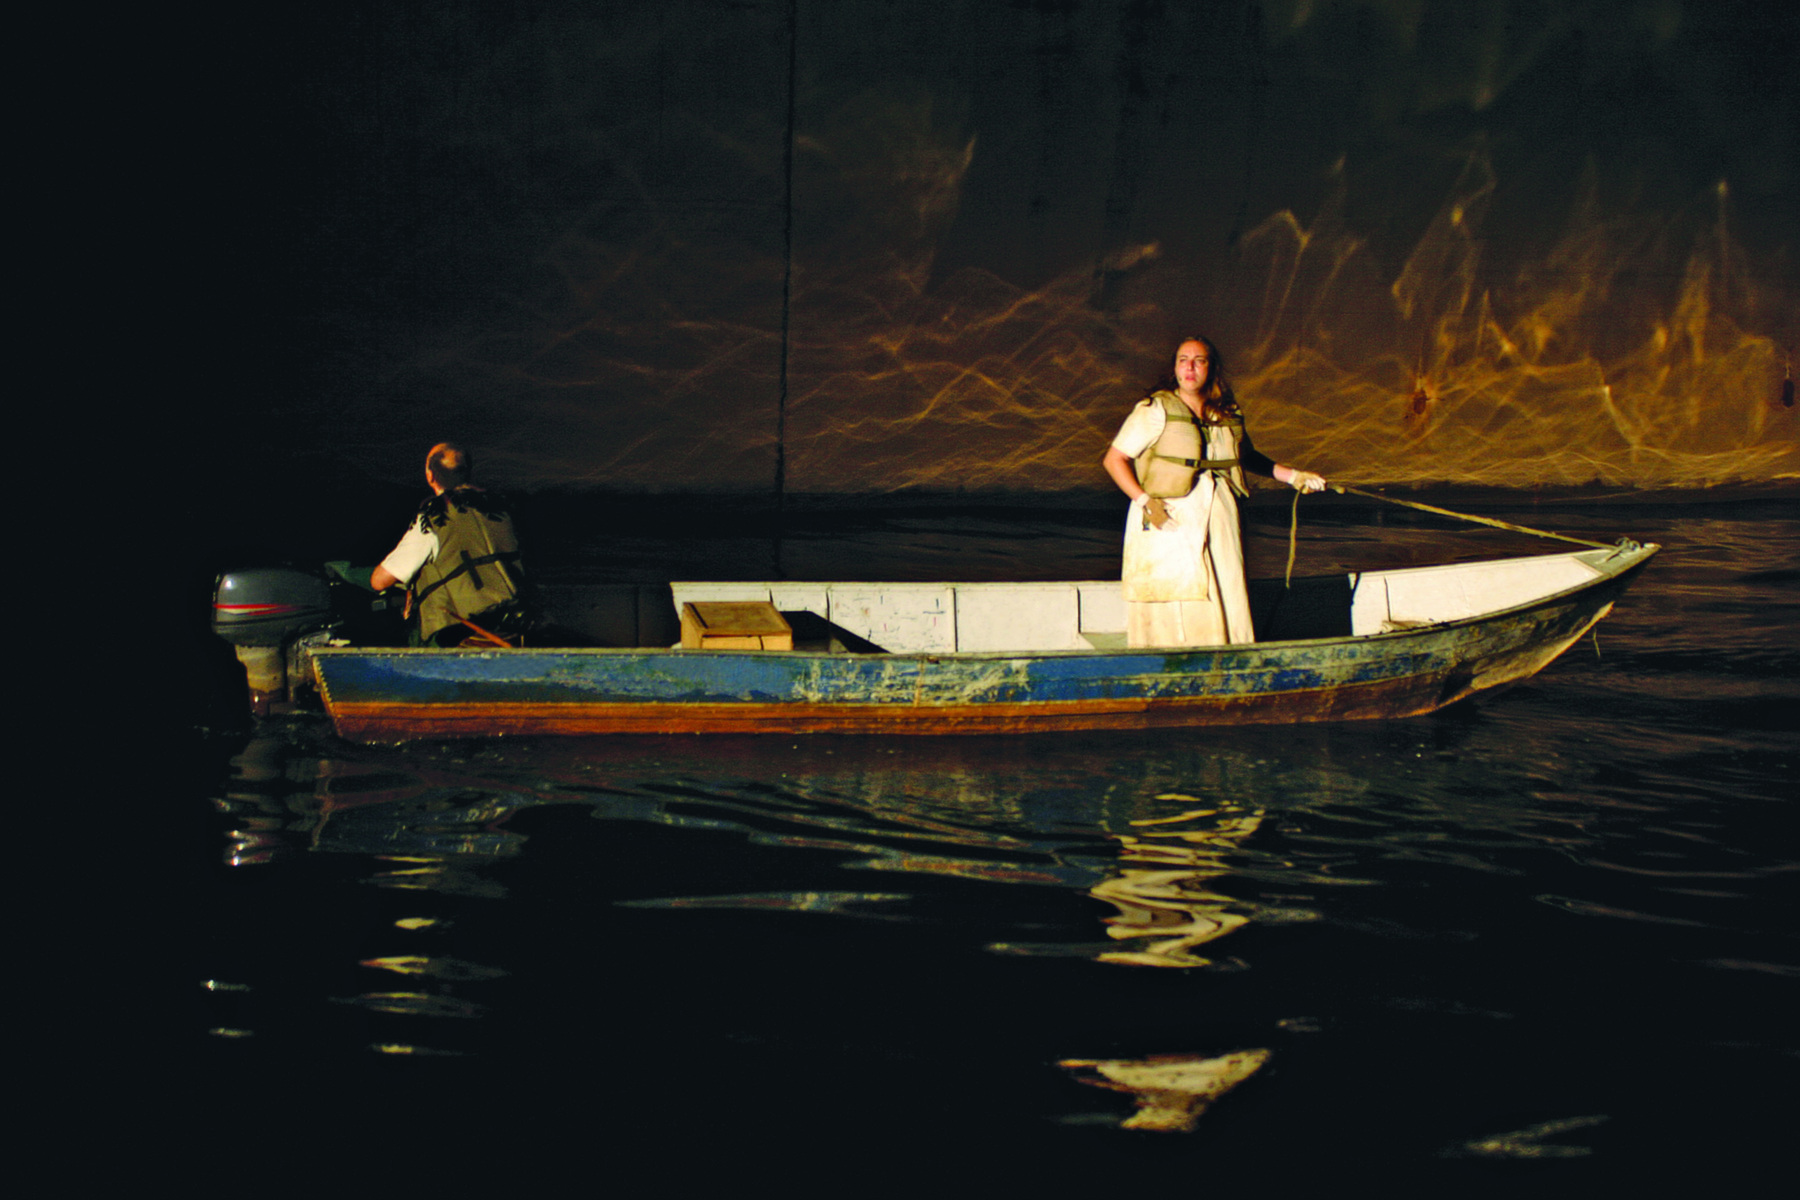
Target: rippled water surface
x=1544 y=940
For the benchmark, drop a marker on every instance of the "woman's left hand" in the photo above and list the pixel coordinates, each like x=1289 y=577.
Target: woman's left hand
x=1306 y=481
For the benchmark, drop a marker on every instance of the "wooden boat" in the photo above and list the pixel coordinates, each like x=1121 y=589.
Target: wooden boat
x=987 y=658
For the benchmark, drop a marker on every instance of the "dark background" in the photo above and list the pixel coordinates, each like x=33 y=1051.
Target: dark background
x=1498 y=242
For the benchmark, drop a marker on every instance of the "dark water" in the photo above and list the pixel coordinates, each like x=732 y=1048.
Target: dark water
x=1542 y=942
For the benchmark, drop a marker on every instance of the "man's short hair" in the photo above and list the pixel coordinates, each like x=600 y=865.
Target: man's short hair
x=450 y=465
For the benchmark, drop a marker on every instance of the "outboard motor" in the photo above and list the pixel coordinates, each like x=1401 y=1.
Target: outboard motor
x=263 y=613
x=269 y=605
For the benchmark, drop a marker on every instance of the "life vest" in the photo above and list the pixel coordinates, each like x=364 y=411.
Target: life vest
x=1170 y=465
x=476 y=568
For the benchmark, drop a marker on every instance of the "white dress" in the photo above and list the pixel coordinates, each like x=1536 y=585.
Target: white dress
x=1184 y=583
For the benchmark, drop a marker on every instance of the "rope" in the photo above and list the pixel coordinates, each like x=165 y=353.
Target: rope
x=494 y=638
x=1342 y=490
x=1445 y=512
x=1293 y=538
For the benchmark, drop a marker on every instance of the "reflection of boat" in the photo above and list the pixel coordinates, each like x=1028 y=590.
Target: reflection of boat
x=1165 y=907
x=1172 y=1090
x=936 y=658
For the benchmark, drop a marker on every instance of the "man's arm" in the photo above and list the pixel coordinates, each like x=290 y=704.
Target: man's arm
x=416 y=548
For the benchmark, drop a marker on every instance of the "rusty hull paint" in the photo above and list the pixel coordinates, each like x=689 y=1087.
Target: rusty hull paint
x=397 y=695
x=1408 y=695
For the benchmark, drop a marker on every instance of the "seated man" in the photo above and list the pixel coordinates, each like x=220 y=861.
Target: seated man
x=460 y=557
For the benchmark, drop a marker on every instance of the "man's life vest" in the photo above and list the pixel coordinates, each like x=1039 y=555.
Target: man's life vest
x=1169 y=466
x=476 y=569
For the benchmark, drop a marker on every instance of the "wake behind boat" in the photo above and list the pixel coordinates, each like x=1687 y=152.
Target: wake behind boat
x=972 y=658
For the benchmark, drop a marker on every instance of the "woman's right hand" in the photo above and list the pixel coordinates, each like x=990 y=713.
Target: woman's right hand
x=1156 y=512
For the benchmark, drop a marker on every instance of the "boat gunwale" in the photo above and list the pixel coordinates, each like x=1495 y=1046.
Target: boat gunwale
x=1640 y=553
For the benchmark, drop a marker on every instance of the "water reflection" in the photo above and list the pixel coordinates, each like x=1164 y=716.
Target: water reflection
x=1530 y=1143
x=1165 y=907
x=291 y=803
x=1171 y=1091
x=1005 y=820
x=417 y=1004
x=839 y=904
x=441 y=968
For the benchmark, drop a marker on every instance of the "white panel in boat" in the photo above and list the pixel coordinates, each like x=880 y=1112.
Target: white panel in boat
x=902 y=618
x=1102 y=607
x=688 y=592
x=801 y=597
x=1387 y=600
x=1017 y=616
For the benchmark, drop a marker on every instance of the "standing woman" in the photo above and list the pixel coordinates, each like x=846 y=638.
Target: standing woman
x=1181 y=457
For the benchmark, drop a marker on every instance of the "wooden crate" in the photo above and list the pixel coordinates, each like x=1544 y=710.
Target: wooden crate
x=734 y=625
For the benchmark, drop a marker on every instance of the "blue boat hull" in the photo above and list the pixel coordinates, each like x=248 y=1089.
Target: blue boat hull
x=402 y=694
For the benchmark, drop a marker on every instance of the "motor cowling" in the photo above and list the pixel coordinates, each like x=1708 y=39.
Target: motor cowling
x=270 y=606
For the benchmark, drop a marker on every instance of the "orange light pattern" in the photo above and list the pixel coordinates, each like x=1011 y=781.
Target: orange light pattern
x=1621 y=357
x=1629 y=352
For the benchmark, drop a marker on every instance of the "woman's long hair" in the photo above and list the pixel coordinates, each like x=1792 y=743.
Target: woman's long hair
x=1217 y=391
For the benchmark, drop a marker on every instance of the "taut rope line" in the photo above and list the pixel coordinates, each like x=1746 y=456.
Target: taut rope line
x=1342 y=490
x=1445 y=512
